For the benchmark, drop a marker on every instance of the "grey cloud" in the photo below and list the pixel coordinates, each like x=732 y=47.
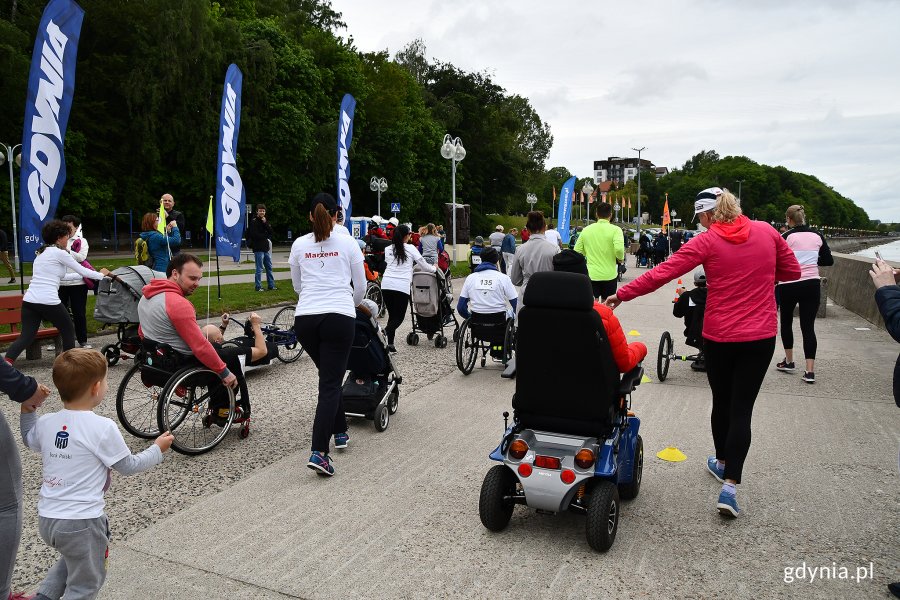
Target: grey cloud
x=655 y=82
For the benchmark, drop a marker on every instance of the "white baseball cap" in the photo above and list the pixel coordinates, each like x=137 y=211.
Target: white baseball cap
x=706 y=200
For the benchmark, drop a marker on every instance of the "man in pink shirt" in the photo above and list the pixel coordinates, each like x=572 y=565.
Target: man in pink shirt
x=742 y=259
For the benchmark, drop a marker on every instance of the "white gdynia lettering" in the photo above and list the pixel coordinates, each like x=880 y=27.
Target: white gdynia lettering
x=232 y=186
x=343 y=163
x=46 y=153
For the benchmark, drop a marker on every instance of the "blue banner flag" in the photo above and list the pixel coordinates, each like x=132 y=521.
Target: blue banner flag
x=565 y=209
x=51 y=85
x=231 y=200
x=345 y=136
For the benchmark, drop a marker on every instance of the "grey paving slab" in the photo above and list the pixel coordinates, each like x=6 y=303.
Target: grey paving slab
x=400 y=518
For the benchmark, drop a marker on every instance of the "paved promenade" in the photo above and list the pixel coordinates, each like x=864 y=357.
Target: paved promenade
x=400 y=518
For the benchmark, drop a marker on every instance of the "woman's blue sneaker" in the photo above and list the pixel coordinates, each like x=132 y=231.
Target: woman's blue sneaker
x=341 y=440
x=320 y=463
x=727 y=504
x=712 y=465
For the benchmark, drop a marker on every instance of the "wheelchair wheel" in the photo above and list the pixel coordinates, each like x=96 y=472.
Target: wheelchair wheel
x=603 y=516
x=628 y=491
x=136 y=405
x=663 y=356
x=190 y=409
x=466 y=349
x=373 y=293
x=509 y=341
x=289 y=349
x=111 y=354
x=495 y=508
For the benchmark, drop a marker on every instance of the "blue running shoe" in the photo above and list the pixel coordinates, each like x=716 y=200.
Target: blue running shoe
x=727 y=505
x=341 y=440
x=713 y=467
x=320 y=463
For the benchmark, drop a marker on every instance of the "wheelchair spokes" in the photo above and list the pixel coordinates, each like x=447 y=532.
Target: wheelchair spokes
x=467 y=348
x=198 y=409
x=136 y=404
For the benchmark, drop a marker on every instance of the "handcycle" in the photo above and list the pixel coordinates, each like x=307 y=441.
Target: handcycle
x=666 y=354
x=279 y=332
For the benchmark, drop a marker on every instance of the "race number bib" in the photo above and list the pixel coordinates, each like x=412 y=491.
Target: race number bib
x=485 y=285
x=476 y=260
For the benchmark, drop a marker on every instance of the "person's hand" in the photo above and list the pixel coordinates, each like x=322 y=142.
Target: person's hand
x=37 y=399
x=364 y=309
x=613 y=301
x=882 y=274
x=165 y=441
x=255 y=319
x=225 y=317
x=169 y=226
x=263 y=219
x=231 y=380
x=104 y=271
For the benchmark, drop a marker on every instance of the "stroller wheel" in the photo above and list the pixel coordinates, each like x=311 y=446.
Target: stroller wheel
x=393 y=401
x=111 y=354
x=440 y=341
x=412 y=339
x=382 y=417
x=430 y=336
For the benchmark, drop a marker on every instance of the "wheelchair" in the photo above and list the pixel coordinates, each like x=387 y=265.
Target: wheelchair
x=167 y=391
x=575 y=449
x=491 y=335
x=666 y=354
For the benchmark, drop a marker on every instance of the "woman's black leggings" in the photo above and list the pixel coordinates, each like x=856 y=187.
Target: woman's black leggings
x=808 y=294
x=327 y=339
x=735 y=371
x=396 y=304
x=75 y=297
x=32 y=315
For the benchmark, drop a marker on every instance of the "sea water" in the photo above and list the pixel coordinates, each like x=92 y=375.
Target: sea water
x=889 y=252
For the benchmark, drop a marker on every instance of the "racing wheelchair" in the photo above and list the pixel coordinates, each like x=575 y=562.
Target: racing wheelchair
x=579 y=450
x=666 y=354
x=486 y=335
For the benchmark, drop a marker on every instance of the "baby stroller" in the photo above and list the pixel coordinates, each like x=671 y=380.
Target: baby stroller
x=117 y=301
x=431 y=308
x=372 y=386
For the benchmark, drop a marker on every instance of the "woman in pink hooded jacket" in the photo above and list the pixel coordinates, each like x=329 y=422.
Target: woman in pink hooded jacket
x=742 y=259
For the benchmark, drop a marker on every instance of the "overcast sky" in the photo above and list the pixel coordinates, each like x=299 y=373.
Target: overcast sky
x=813 y=85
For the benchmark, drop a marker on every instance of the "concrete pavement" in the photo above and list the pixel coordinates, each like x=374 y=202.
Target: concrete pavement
x=400 y=518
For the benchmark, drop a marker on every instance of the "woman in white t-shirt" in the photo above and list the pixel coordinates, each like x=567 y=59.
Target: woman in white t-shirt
x=397 y=279
x=328 y=276
x=41 y=301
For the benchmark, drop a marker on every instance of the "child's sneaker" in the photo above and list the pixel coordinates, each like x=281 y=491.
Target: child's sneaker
x=787 y=367
x=809 y=377
x=727 y=505
x=341 y=440
x=320 y=463
x=712 y=465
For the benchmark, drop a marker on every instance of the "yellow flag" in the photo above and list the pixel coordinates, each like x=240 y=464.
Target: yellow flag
x=209 y=217
x=161 y=226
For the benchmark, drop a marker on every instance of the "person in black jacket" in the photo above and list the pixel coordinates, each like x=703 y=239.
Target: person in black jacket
x=31 y=395
x=691 y=306
x=259 y=236
x=887 y=296
x=173 y=215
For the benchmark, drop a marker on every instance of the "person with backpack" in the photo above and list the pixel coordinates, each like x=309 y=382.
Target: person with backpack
x=154 y=249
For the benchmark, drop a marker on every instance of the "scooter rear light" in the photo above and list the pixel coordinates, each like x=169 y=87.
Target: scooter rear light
x=547 y=462
x=567 y=476
x=518 y=449
x=584 y=459
x=524 y=469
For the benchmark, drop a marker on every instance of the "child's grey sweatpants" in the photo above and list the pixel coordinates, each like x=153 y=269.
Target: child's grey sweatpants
x=84 y=545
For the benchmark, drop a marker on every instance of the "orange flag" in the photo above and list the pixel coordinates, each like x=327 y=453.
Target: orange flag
x=554 y=193
x=666 y=219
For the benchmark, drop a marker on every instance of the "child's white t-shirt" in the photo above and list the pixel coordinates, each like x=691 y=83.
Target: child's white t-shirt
x=77 y=449
x=488 y=291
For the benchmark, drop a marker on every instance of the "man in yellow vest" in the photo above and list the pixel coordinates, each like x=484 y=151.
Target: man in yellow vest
x=603 y=246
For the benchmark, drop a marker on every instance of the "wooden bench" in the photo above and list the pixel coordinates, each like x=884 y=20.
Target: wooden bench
x=11 y=314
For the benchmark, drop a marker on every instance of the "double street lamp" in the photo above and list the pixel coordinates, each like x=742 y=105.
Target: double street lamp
x=452 y=149
x=378 y=185
x=587 y=190
x=10 y=150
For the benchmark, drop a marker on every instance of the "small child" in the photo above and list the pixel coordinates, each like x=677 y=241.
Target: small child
x=78 y=448
x=691 y=306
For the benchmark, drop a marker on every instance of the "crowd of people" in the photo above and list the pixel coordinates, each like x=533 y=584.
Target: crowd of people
x=736 y=335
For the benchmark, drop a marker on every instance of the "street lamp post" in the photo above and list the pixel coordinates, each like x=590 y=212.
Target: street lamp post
x=740 y=182
x=588 y=189
x=531 y=199
x=639 y=150
x=378 y=185
x=452 y=149
x=10 y=150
